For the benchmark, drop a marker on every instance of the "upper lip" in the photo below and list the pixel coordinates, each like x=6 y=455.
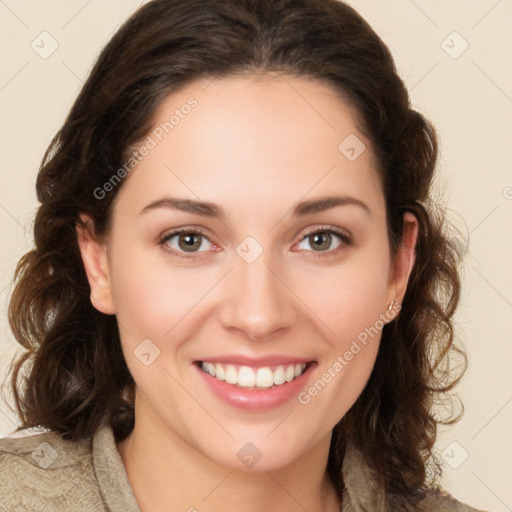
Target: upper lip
x=270 y=360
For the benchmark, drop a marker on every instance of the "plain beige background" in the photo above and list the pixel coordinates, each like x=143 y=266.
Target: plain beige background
x=455 y=58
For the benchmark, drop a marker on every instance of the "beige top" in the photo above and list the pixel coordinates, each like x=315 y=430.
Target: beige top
x=42 y=472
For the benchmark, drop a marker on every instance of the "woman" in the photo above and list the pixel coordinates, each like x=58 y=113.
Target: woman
x=240 y=296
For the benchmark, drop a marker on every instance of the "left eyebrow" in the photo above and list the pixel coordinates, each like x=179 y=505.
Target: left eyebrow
x=326 y=203
x=207 y=209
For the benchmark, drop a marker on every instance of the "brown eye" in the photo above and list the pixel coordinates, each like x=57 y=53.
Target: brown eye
x=185 y=241
x=189 y=242
x=322 y=240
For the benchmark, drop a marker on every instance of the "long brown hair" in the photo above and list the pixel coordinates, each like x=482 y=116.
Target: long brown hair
x=76 y=367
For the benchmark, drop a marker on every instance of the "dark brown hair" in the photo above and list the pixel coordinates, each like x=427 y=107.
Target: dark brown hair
x=76 y=367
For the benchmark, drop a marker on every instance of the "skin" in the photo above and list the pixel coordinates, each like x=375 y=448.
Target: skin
x=254 y=146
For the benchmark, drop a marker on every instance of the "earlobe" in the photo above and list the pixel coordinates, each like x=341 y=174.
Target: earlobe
x=94 y=258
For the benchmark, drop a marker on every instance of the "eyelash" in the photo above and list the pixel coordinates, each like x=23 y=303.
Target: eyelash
x=345 y=239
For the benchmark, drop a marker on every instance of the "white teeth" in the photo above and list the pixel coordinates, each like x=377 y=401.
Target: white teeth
x=289 y=374
x=249 y=378
x=219 y=372
x=279 y=376
x=246 y=377
x=231 y=375
x=264 y=378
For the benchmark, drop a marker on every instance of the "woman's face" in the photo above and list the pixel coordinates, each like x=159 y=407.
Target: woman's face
x=256 y=288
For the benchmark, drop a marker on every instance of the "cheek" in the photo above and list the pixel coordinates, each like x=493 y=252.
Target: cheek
x=151 y=302
x=351 y=306
x=349 y=298
x=150 y=293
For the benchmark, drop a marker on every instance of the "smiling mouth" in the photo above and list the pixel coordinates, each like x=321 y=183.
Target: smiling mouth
x=264 y=377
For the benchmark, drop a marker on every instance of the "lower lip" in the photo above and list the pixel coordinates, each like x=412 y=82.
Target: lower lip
x=256 y=399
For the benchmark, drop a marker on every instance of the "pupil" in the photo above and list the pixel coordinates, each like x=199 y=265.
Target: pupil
x=321 y=237
x=190 y=241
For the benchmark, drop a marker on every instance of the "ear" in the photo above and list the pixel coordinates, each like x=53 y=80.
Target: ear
x=403 y=264
x=94 y=257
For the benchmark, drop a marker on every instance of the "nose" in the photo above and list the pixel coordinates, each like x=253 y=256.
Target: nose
x=258 y=301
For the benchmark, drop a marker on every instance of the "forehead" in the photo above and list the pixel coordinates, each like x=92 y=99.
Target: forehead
x=254 y=138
